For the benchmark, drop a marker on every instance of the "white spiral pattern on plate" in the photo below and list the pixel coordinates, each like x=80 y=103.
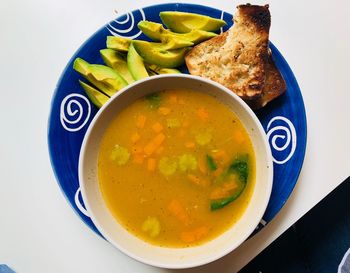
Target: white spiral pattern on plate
x=222 y=18
x=286 y=133
x=74 y=120
x=130 y=19
x=79 y=205
x=344 y=265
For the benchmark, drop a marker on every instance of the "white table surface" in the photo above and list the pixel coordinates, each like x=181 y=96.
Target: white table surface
x=39 y=232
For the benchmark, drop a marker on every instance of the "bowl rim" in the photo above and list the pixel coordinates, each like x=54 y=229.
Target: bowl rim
x=192 y=264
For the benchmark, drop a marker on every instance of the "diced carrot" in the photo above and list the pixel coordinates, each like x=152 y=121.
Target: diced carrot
x=157 y=127
x=197 y=181
x=201 y=232
x=158 y=140
x=141 y=121
x=178 y=211
x=224 y=191
x=150 y=148
x=231 y=185
x=218 y=193
x=194 y=235
x=194 y=179
x=202 y=165
x=151 y=164
x=164 y=111
x=138 y=158
x=135 y=137
x=202 y=114
x=190 y=145
x=220 y=155
x=188 y=237
x=153 y=145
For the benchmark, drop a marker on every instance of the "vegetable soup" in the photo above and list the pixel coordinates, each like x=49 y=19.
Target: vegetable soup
x=176 y=168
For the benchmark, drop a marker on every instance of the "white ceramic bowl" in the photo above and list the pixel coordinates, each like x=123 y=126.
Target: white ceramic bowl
x=135 y=247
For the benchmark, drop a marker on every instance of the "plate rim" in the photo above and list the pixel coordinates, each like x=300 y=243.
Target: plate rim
x=159 y=5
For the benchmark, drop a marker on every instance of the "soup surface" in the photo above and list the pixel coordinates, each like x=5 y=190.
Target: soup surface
x=176 y=168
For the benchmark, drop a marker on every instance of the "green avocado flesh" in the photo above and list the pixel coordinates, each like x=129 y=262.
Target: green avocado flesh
x=117 y=61
x=96 y=97
x=135 y=64
x=183 y=22
x=157 y=32
x=155 y=53
x=156 y=70
x=118 y=43
x=103 y=77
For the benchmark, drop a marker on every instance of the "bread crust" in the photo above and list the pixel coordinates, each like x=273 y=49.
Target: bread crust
x=274 y=86
x=259 y=16
x=240 y=58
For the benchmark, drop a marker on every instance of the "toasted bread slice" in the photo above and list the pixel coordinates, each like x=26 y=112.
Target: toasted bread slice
x=237 y=57
x=240 y=59
x=274 y=85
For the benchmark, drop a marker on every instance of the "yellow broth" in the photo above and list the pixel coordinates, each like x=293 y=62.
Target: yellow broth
x=165 y=158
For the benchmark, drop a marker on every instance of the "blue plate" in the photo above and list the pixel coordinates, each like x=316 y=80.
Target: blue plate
x=284 y=119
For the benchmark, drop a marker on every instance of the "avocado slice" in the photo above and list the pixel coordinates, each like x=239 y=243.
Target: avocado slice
x=157 y=53
x=195 y=36
x=156 y=70
x=103 y=77
x=183 y=22
x=118 y=43
x=95 y=96
x=117 y=61
x=157 y=32
x=151 y=29
x=171 y=42
x=135 y=64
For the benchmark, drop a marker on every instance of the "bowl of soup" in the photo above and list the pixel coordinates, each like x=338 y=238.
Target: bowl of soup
x=175 y=171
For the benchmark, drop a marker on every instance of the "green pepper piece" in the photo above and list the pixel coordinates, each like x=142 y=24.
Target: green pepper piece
x=240 y=167
x=153 y=100
x=211 y=163
x=218 y=204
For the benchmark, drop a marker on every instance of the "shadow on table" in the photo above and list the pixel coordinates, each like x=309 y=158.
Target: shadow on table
x=318 y=242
